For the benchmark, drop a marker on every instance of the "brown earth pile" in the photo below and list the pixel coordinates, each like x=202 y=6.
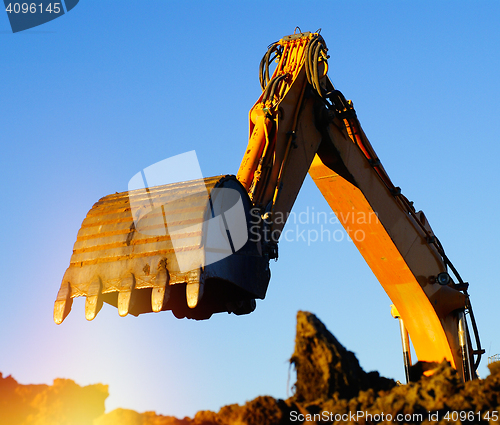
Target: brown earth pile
x=331 y=388
x=63 y=403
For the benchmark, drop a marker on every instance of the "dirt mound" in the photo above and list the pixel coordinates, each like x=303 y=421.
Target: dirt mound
x=331 y=388
x=130 y=417
x=325 y=369
x=63 y=403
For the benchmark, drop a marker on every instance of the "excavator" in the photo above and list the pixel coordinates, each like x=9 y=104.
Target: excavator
x=203 y=246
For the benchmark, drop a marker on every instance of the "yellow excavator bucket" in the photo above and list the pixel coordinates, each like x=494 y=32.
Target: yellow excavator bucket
x=184 y=247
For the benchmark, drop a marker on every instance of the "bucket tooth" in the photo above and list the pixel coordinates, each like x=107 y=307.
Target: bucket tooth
x=160 y=294
x=125 y=295
x=63 y=303
x=194 y=292
x=159 y=297
x=93 y=303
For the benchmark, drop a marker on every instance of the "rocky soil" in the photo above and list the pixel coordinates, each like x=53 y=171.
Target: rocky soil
x=331 y=388
x=64 y=402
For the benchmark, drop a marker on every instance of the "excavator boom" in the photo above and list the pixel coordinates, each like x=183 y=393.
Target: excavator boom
x=202 y=247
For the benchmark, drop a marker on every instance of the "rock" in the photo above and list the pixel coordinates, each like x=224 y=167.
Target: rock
x=205 y=417
x=324 y=367
x=131 y=417
x=120 y=416
x=63 y=403
x=263 y=410
x=16 y=399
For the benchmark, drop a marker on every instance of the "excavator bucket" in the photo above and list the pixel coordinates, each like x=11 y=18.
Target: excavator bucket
x=184 y=247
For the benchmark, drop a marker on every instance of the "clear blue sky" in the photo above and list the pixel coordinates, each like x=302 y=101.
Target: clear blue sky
x=93 y=97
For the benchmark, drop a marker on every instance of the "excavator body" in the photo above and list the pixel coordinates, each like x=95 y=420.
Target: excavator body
x=201 y=247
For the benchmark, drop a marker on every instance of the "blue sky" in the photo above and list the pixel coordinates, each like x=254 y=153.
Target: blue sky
x=93 y=97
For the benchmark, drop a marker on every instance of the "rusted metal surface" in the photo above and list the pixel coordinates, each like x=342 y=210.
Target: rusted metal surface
x=125 y=245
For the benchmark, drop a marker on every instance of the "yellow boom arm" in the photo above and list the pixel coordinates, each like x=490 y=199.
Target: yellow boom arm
x=295 y=127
